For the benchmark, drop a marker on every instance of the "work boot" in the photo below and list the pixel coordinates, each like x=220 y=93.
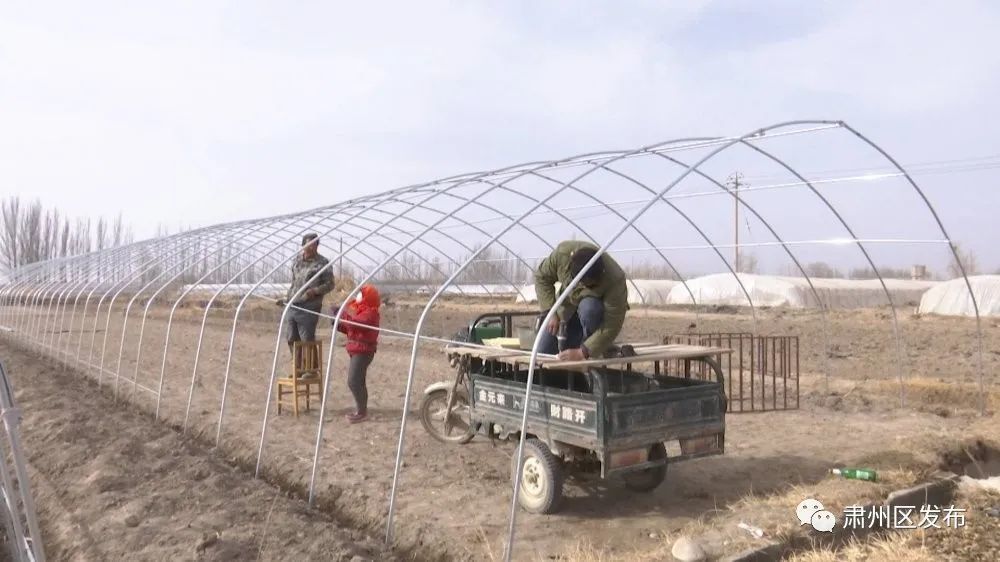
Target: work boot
x=357 y=417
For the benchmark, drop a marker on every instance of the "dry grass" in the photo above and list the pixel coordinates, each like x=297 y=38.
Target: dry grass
x=922 y=391
x=488 y=552
x=773 y=511
x=979 y=539
x=585 y=551
x=833 y=490
x=896 y=546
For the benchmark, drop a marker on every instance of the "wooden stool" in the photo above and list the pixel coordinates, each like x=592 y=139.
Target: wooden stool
x=307 y=360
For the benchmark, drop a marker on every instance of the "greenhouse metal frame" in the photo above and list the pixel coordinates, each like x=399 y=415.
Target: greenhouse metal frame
x=431 y=222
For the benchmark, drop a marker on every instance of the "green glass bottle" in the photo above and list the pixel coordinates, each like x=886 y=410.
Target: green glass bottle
x=856 y=473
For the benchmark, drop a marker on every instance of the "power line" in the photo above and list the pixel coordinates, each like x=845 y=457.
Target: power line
x=928 y=167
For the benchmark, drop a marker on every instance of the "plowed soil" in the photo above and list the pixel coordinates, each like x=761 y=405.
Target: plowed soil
x=453 y=500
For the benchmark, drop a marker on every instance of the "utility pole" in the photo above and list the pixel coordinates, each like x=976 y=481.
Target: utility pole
x=735 y=182
x=340 y=261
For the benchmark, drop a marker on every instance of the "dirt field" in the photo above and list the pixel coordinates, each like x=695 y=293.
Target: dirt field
x=454 y=500
x=117 y=485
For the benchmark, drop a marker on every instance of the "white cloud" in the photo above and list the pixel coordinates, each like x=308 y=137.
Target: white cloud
x=207 y=112
x=897 y=57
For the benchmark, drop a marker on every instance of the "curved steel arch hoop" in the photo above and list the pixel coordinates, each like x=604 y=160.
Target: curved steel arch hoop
x=413 y=357
x=194 y=374
x=442 y=233
x=31 y=296
x=88 y=267
x=704 y=236
x=867 y=256
x=326 y=385
x=371 y=200
x=225 y=263
x=166 y=268
x=177 y=244
x=18 y=278
x=102 y=264
x=419 y=328
x=284 y=314
x=18 y=291
x=122 y=280
x=564 y=294
x=245 y=231
x=700 y=232
x=55 y=287
x=65 y=296
x=582 y=230
x=40 y=322
x=741 y=201
x=340 y=225
x=50 y=321
x=342 y=222
x=954 y=252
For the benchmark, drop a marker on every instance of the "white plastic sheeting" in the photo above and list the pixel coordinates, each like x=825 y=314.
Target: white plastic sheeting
x=951 y=298
x=238 y=289
x=648 y=291
x=279 y=289
x=767 y=290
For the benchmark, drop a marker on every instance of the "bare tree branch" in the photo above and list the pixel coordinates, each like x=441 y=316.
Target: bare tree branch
x=118 y=232
x=101 y=235
x=64 y=248
x=29 y=237
x=30 y=233
x=969 y=261
x=10 y=214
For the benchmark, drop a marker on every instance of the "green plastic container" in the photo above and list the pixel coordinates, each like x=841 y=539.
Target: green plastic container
x=486 y=331
x=856 y=473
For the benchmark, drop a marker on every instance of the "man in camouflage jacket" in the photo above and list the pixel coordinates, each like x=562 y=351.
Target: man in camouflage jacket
x=594 y=312
x=300 y=323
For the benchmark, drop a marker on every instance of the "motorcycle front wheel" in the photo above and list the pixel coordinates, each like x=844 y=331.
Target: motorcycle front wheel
x=433 y=416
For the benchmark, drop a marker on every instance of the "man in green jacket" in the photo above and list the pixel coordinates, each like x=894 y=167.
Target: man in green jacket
x=594 y=312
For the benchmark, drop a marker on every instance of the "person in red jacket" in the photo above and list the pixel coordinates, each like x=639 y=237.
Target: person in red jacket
x=362 y=343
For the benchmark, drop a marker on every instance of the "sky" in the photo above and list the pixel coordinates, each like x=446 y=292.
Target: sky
x=194 y=113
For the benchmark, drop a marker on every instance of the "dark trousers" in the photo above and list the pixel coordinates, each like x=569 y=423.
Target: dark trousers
x=300 y=325
x=357 y=372
x=587 y=320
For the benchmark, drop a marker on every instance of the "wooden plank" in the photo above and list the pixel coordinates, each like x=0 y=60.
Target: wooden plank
x=495 y=353
x=643 y=354
x=475 y=350
x=688 y=352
